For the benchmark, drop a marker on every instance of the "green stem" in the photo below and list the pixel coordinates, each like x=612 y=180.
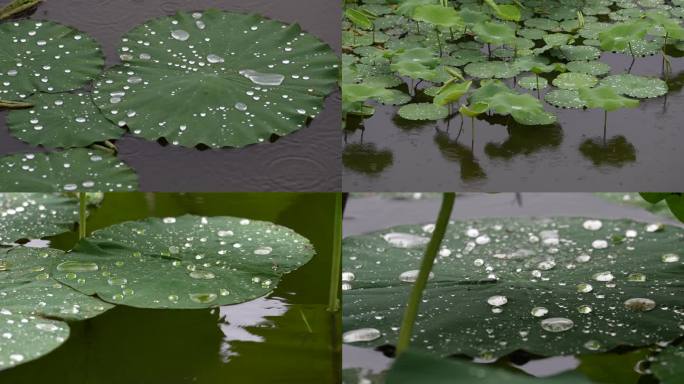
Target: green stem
x=103 y=148
x=17 y=7
x=336 y=270
x=439 y=42
x=82 y=213
x=425 y=267
x=14 y=104
x=538 y=91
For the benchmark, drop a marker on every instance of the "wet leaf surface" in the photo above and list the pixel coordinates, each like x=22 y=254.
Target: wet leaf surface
x=33 y=215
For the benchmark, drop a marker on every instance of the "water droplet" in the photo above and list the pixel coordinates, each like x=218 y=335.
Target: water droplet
x=117 y=297
x=482 y=240
x=556 y=324
x=169 y=220
x=180 y=34
x=174 y=250
x=583 y=258
x=497 y=300
x=214 y=58
x=47 y=327
x=592 y=345
x=599 y=244
x=631 y=233
x=592 y=225
x=224 y=292
x=584 y=309
x=362 y=334
x=584 y=288
x=549 y=237
x=655 y=227
x=16 y=357
x=412 y=275
x=405 y=240
x=70 y=187
x=670 y=258
x=117 y=281
x=203 y=298
x=478 y=262
x=636 y=277
x=259 y=78
x=12 y=72
x=472 y=232
x=77 y=266
x=539 y=311
x=348 y=276
x=241 y=106
x=640 y=304
x=603 y=276
x=173 y=298
x=135 y=80
x=206 y=275
x=263 y=251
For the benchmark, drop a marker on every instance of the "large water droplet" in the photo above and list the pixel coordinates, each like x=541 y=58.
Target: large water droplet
x=592 y=225
x=362 y=334
x=556 y=324
x=640 y=304
x=206 y=275
x=584 y=309
x=636 y=277
x=117 y=281
x=592 y=345
x=412 y=275
x=584 y=288
x=263 y=251
x=214 y=58
x=539 y=311
x=348 y=276
x=603 y=276
x=599 y=244
x=77 y=266
x=241 y=106
x=47 y=327
x=670 y=258
x=203 y=298
x=405 y=240
x=497 y=300
x=259 y=78
x=180 y=34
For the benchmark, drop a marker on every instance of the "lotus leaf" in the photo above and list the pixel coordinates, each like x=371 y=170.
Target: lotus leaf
x=668 y=366
x=564 y=98
x=423 y=111
x=636 y=86
x=33 y=215
x=574 y=81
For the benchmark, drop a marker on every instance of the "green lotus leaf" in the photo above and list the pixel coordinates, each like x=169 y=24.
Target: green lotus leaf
x=621 y=35
x=672 y=27
x=494 y=33
x=533 y=82
x=423 y=111
x=451 y=93
x=407 y=7
x=361 y=92
x=592 y=30
x=34 y=306
x=461 y=57
x=414 y=70
x=415 y=366
x=61 y=121
x=508 y=12
x=71 y=170
x=44 y=56
x=394 y=97
x=474 y=110
x=492 y=69
x=636 y=86
x=34 y=215
x=184 y=262
x=525 y=109
x=557 y=39
x=574 y=81
x=472 y=16
x=564 y=98
x=596 y=68
x=668 y=366
x=643 y=48
x=543 y=24
x=527 y=63
x=383 y=81
x=557 y=286
x=356 y=39
x=487 y=90
x=437 y=15
x=424 y=56
x=579 y=52
x=217 y=78
x=359 y=18
x=605 y=97
x=532 y=33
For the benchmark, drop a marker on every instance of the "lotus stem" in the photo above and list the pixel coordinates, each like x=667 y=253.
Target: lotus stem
x=411 y=311
x=538 y=91
x=103 y=148
x=439 y=41
x=16 y=7
x=336 y=270
x=605 y=126
x=418 y=26
x=489 y=50
x=306 y=322
x=472 y=133
x=451 y=30
x=111 y=145
x=8 y=104
x=82 y=213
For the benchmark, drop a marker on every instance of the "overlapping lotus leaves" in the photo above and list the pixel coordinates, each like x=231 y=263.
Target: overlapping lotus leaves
x=184 y=262
x=446 y=17
x=451 y=93
x=61 y=120
x=606 y=98
x=668 y=365
x=547 y=286
x=45 y=56
x=423 y=111
x=494 y=33
x=596 y=68
x=358 y=17
x=524 y=108
x=564 y=98
x=636 y=86
x=70 y=170
x=34 y=305
x=620 y=36
x=579 y=52
x=217 y=78
x=34 y=215
x=574 y=81
x=533 y=82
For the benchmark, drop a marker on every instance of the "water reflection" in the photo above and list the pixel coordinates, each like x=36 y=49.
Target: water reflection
x=454 y=151
x=615 y=152
x=523 y=139
x=366 y=158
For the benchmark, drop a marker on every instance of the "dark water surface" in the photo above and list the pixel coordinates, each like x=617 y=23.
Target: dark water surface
x=285 y=337
x=373 y=213
x=307 y=160
x=642 y=149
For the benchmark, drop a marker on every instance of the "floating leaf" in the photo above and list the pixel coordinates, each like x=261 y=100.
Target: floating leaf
x=636 y=86
x=61 y=120
x=606 y=98
x=437 y=15
x=533 y=82
x=33 y=215
x=217 y=78
x=492 y=69
x=621 y=35
x=596 y=68
x=66 y=171
x=423 y=111
x=474 y=110
x=33 y=305
x=668 y=366
x=563 y=98
x=184 y=262
x=452 y=93
x=574 y=81
x=580 y=52
x=358 y=18
x=494 y=33
x=45 y=56
x=547 y=286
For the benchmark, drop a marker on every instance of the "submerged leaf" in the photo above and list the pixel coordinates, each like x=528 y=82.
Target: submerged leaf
x=45 y=56
x=217 y=78
x=66 y=171
x=35 y=215
x=184 y=262
x=547 y=286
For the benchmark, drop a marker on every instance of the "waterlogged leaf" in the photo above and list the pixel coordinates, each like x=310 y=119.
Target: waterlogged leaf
x=71 y=170
x=33 y=305
x=45 y=56
x=217 y=78
x=492 y=69
x=452 y=93
x=668 y=366
x=34 y=215
x=563 y=98
x=579 y=52
x=574 y=81
x=446 y=17
x=423 y=111
x=184 y=262
x=61 y=120
x=595 y=67
x=621 y=35
x=606 y=98
x=533 y=82
x=547 y=286
x=415 y=366
x=494 y=33
x=636 y=86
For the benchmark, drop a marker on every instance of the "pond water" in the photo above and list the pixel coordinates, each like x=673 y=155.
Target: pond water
x=369 y=212
x=287 y=336
x=307 y=160
x=641 y=147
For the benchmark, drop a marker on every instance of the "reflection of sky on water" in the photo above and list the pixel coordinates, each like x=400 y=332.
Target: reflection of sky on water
x=235 y=319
